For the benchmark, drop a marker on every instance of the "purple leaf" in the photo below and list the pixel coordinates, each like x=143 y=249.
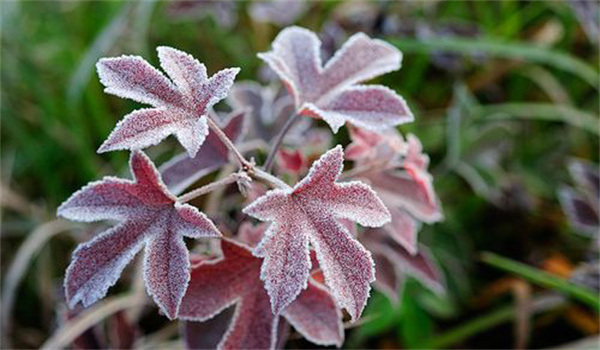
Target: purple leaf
x=310 y=212
x=329 y=92
x=182 y=171
x=180 y=105
x=235 y=279
x=149 y=215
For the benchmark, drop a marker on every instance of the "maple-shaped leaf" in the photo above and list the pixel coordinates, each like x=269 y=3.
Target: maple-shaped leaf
x=235 y=279
x=149 y=215
x=182 y=171
x=330 y=92
x=180 y=104
x=310 y=212
x=393 y=263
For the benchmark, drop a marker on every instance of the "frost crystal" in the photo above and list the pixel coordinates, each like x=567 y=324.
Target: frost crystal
x=330 y=92
x=235 y=279
x=149 y=215
x=310 y=212
x=180 y=104
x=182 y=171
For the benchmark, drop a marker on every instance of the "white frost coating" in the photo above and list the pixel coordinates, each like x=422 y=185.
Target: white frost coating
x=329 y=92
x=148 y=214
x=181 y=105
x=311 y=212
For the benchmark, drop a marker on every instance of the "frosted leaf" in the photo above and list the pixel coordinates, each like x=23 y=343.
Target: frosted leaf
x=587 y=178
x=182 y=171
x=149 y=215
x=310 y=212
x=180 y=105
x=391 y=255
x=373 y=107
x=234 y=279
x=329 y=92
x=224 y=12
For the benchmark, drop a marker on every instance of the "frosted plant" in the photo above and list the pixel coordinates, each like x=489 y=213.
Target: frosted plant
x=309 y=212
x=330 y=91
x=234 y=279
x=306 y=261
x=180 y=105
x=582 y=204
x=150 y=216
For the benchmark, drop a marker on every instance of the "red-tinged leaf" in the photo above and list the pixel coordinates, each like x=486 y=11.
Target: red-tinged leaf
x=310 y=212
x=235 y=279
x=182 y=171
x=413 y=194
x=122 y=332
x=371 y=147
x=149 y=215
x=316 y=316
x=291 y=161
x=181 y=105
x=386 y=278
x=421 y=266
x=403 y=228
x=582 y=216
x=328 y=91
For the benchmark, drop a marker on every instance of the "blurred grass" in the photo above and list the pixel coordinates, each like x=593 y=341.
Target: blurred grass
x=498 y=129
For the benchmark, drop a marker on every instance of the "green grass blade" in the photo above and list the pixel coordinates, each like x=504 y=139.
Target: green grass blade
x=488 y=321
x=510 y=50
x=544 y=279
x=541 y=111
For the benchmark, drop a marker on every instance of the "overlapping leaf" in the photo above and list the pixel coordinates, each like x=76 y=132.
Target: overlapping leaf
x=234 y=279
x=182 y=171
x=310 y=212
x=180 y=104
x=149 y=215
x=393 y=263
x=330 y=92
x=408 y=191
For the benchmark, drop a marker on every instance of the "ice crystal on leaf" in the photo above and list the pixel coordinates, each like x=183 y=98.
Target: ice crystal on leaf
x=331 y=92
x=393 y=262
x=182 y=171
x=403 y=183
x=149 y=215
x=310 y=212
x=180 y=104
x=235 y=279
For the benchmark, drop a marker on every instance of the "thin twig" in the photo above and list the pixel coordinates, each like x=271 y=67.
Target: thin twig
x=229 y=179
x=278 y=140
x=266 y=177
x=242 y=162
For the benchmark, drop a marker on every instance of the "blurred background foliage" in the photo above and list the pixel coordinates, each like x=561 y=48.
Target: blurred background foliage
x=505 y=93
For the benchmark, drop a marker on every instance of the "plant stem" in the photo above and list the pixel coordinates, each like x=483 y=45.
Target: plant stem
x=229 y=179
x=278 y=140
x=266 y=177
x=242 y=162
